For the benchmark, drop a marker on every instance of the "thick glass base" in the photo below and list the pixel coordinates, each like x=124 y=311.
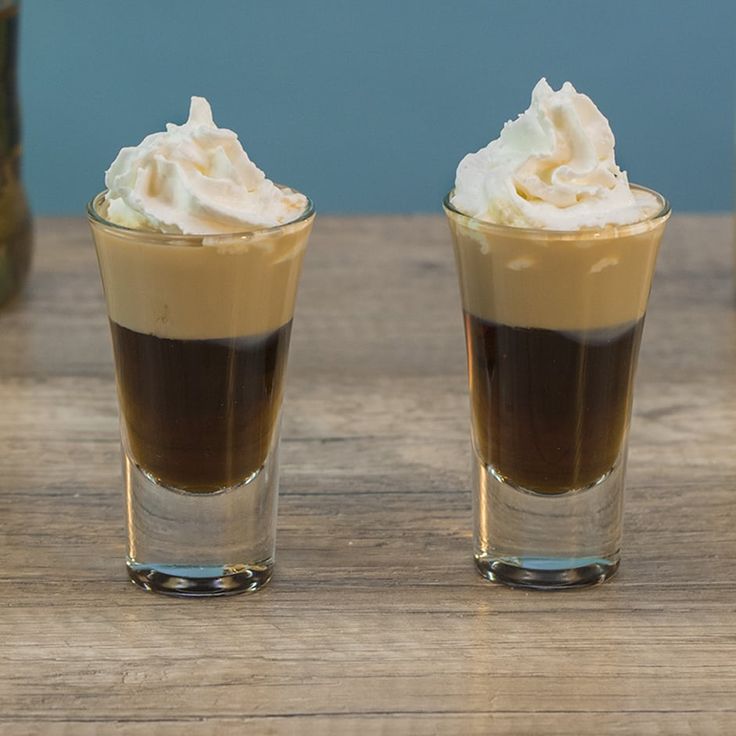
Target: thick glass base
x=199 y=581
x=545 y=541
x=546 y=574
x=201 y=544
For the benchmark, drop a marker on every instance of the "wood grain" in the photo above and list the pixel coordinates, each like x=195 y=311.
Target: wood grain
x=375 y=621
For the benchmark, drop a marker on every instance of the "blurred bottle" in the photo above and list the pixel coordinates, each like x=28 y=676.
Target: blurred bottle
x=15 y=218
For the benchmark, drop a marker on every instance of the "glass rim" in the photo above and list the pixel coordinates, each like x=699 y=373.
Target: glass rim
x=476 y=223
x=94 y=216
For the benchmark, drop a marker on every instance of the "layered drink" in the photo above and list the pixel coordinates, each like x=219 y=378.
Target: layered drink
x=552 y=346
x=555 y=253
x=200 y=256
x=200 y=334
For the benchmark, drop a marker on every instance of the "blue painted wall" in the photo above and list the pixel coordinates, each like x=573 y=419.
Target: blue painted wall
x=368 y=106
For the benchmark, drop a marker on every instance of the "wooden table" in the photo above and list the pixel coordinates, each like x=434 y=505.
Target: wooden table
x=376 y=621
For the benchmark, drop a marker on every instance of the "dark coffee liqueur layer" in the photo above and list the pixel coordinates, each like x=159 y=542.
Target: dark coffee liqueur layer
x=550 y=408
x=200 y=414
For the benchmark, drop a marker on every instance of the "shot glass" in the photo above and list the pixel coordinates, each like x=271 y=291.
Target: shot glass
x=200 y=331
x=553 y=323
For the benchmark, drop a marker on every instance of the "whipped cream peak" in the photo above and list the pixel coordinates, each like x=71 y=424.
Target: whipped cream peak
x=195 y=179
x=553 y=167
x=200 y=113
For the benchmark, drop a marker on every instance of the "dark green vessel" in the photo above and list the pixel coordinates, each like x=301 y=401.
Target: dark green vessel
x=16 y=239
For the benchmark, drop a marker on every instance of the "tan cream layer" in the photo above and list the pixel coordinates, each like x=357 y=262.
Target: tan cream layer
x=569 y=281
x=212 y=287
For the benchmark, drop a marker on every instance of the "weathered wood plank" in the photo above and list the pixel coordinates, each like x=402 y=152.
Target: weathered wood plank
x=375 y=621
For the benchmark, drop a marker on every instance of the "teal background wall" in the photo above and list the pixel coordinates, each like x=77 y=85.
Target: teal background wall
x=369 y=106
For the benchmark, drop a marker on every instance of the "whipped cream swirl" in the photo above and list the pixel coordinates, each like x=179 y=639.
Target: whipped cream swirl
x=553 y=167
x=195 y=179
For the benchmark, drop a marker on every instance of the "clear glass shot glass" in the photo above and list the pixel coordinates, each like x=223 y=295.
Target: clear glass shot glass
x=200 y=331
x=553 y=323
